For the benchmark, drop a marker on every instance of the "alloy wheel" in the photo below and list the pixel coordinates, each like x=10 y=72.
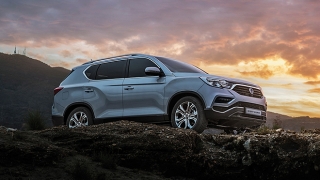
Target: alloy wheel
x=78 y=119
x=186 y=115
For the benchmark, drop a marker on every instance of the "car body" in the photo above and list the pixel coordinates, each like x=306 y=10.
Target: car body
x=155 y=89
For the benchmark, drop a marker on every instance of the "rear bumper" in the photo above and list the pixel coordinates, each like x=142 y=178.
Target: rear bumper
x=235 y=117
x=57 y=120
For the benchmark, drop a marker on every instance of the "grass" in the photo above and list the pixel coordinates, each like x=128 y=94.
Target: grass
x=35 y=121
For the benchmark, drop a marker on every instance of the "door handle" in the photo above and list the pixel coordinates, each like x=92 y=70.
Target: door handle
x=128 y=88
x=88 y=90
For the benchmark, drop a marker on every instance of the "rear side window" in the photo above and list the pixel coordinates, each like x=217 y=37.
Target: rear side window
x=137 y=67
x=91 y=72
x=111 y=70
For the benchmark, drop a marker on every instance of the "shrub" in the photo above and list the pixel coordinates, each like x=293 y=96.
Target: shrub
x=262 y=130
x=277 y=123
x=35 y=121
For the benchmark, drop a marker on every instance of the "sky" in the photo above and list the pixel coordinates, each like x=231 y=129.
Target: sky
x=273 y=43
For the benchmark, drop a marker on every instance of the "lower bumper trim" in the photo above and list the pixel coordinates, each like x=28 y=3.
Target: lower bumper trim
x=235 y=118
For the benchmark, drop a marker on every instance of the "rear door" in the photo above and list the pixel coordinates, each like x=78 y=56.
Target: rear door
x=142 y=94
x=104 y=89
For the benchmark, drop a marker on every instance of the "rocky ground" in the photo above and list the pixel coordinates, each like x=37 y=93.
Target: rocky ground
x=129 y=150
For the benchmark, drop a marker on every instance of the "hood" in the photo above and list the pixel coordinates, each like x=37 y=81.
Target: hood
x=232 y=80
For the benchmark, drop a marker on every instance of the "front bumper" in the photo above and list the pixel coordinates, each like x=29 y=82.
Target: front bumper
x=235 y=116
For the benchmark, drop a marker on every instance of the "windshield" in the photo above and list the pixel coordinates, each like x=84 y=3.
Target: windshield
x=178 y=66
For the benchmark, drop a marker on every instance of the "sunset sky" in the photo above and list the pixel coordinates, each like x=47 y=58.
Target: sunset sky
x=273 y=43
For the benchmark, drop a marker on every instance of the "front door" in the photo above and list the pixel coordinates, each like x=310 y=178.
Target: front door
x=142 y=94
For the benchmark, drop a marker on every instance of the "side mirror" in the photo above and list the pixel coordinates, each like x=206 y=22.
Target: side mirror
x=153 y=71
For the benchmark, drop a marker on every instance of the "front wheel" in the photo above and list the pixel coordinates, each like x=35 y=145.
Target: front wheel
x=188 y=113
x=80 y=116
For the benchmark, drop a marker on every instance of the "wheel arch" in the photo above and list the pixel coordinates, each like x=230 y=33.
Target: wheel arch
x=73 y=106
x=180 y=95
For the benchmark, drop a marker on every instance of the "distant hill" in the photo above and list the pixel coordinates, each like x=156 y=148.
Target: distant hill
x=293 y=123
x=271 y=116
x=26 y=84
x=300 y=123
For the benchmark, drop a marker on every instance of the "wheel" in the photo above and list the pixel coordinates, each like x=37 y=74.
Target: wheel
x=80 y=116
x=188 y=113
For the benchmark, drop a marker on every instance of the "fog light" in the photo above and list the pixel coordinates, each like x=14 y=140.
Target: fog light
x=223 y=100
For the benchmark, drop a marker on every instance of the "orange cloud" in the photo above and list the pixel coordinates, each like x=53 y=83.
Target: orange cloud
x=261 y=71
x=292 y=111
x=315 y=90
x=294 y=108
x=312 y=82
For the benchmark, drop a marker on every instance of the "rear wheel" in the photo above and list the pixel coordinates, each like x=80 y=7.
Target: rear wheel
x=188 y=113
x=80 y=116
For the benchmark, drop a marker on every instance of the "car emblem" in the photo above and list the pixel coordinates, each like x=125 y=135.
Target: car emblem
x=251 y=91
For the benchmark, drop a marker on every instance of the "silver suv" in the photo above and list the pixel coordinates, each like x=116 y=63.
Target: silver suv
x=155 y=89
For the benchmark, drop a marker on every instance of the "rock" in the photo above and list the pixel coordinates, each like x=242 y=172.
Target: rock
x=167 y=151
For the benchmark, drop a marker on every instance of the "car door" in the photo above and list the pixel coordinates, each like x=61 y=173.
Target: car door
x=104 y=89
x=142 y=94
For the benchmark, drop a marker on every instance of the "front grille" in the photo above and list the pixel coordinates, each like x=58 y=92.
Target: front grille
x=250 y=105
x=248 y=91
x=240 y=104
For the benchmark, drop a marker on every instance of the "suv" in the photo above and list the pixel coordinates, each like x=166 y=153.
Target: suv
x=155 y=89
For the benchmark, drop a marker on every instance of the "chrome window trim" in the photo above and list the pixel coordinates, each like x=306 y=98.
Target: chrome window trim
x=99 y=63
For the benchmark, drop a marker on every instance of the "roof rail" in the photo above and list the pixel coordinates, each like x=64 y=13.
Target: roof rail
x=110 y=58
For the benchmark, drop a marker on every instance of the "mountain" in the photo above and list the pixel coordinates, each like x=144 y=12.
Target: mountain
x=26 y=84
x=271 y=116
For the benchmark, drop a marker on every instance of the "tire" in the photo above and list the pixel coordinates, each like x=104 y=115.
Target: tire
x=79 y=117
x=188 y=113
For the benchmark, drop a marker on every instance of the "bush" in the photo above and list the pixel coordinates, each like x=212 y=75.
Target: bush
x=277 y=123
x=262 y=130
x=35 y=121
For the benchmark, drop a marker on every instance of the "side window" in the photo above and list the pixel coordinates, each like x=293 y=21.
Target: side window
x=138 y=66
x=91 y=72
x=111 y=70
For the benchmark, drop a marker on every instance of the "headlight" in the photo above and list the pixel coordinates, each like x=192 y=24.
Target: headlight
x=220 y=83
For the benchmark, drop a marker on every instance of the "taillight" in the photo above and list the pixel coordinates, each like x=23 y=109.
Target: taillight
x=56 y=90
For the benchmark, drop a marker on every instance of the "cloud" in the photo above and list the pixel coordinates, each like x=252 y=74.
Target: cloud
x=293 y=111
x=312 y=82
x=35 y=55
x=214 y=32
x=296 y=107
x=81 y=60
x=62 y=64
x=261 y=71
x=66 y=53
x=315 y=90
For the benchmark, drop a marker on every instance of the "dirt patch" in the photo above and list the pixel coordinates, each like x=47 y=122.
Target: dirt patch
x=124 y=150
